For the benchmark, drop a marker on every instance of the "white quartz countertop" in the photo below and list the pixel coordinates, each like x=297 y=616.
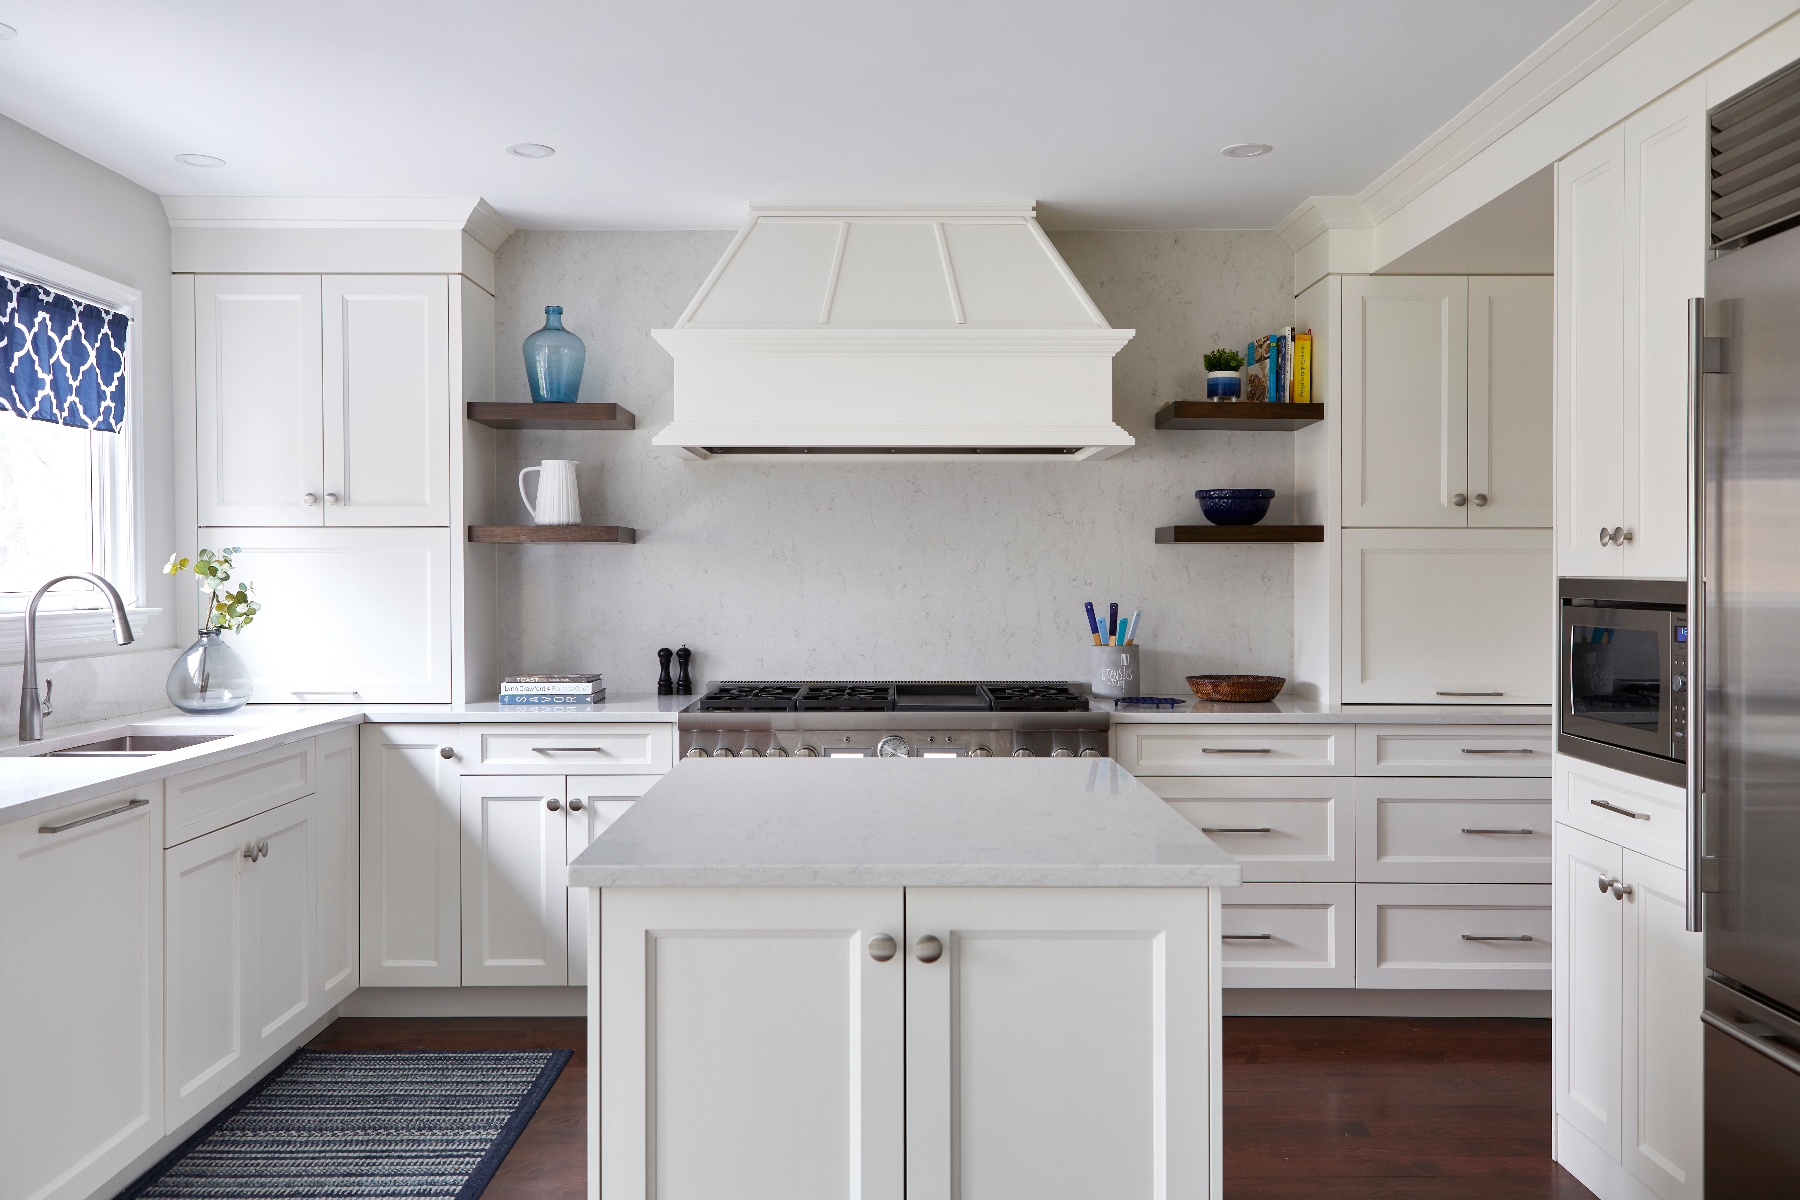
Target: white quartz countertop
x=902 y=822
x=31 y=786
x=1285 y=710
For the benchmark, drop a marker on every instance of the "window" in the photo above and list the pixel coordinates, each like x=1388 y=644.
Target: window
x=67 y=493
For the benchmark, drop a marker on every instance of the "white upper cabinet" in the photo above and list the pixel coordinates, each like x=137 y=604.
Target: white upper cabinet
x=387 y=400
x=257 y=400
x=1631 y=251
x=322 y=401
x=1405 y=400
x=1512 y=334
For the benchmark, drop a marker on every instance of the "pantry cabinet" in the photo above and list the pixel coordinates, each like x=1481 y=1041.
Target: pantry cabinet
x=322 y=400
x=81 y=994
x=892 y=1042
x=1626 y=1063
x=1631 y=244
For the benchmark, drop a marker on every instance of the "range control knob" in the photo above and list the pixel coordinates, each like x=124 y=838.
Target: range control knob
x=979 y=752
x=806 y=752
x=698 y=752
x=776 y=752
x=724 y=752
x=751 y=752
x=1062 y=752
x=1023 y=752
x=1090 y=752
x=893 y=746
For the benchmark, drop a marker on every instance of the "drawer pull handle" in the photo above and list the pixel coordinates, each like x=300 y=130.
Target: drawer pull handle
x=1246 y=937
x=1498 y=937
x=1500 y=750
x=1623 y=812
x=99 y=816
x=1471 y=693
x=568 y=749
x=1236 y=750
x=324 y=692
x=1514 y=832
x=1235 y=829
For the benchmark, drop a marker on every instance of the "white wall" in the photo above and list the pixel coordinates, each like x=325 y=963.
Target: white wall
x=897 y=570
x=58 y=203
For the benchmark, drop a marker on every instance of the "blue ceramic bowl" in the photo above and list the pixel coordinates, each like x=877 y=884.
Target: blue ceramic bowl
x=1235 y=506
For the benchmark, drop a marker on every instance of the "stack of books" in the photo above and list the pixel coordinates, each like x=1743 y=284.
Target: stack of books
x=552 y=689
x=1286 y=359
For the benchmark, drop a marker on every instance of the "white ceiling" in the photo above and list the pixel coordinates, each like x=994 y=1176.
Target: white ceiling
x=675 y=113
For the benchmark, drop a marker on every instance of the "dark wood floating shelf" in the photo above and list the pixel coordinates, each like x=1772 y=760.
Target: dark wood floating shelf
x=1236 y=414
x=1182 y=535
x=552 y=416
x=552 y=533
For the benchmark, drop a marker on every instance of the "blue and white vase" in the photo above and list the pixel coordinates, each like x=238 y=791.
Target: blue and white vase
x=1224 y=385
x=554 y=358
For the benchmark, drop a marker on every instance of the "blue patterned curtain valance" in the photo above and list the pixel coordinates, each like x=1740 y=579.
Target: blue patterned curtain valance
x=61 y=359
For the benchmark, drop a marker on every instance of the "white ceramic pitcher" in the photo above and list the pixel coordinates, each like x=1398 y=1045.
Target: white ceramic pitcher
x=558 y=501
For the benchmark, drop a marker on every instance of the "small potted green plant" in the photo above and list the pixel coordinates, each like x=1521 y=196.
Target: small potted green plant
x=210 y=677
x=1222 y=379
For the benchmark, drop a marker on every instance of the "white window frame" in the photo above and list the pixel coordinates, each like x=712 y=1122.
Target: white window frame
x=117 y=462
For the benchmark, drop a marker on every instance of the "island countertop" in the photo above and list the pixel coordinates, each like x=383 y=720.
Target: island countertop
x=908 y=822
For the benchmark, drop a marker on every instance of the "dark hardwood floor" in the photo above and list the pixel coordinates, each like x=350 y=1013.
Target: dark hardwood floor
x=1346 y=1108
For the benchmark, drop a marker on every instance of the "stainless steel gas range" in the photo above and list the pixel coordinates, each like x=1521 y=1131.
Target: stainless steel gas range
x=875 y=719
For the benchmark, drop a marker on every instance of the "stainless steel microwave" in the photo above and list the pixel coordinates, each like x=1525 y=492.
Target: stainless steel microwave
x=1623 y=678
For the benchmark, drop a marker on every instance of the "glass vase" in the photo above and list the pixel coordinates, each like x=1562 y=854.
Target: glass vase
x=554 y=358
x=209 y=677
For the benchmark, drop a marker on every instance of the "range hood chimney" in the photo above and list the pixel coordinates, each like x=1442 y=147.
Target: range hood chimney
x=909 y=332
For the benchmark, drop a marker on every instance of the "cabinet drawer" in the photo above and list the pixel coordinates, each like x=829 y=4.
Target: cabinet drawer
x=1453 y=830
x=228 y=792
x=1168 y=749
x=1507 y=750
x=1459 y=935
x=591 y=749
x=1294 y=830
x=1289 y=935
x=1638 y=814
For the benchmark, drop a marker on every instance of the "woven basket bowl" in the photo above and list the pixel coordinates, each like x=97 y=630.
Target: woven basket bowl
x=1237 y=689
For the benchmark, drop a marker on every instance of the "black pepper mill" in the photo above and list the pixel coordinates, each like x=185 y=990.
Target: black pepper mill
x=684 y=683
x=665 y=686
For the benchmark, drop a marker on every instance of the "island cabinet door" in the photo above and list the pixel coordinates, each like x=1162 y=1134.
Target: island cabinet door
x=1059 y=1042
x=751 y=1043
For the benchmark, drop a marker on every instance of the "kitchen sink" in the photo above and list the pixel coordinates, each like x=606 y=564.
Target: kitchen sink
x=134 y=745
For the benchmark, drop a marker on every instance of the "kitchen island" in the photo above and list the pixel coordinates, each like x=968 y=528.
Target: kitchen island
x=918 y=978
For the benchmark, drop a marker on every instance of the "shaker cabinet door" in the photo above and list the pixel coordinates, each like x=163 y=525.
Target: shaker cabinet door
x=1405 y=400
x=410 y=874
x=1512 y=342
x=259 y=458
x=386 y=400
x=1588 y=997
x=515 y=880
x=1664 y=971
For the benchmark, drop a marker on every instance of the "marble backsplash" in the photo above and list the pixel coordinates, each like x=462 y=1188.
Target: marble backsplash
x=965 y=569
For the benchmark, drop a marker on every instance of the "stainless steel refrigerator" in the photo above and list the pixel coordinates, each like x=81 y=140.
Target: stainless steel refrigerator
x=1744 y=784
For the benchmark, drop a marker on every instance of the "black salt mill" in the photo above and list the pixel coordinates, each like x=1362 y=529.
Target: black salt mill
x=684 y=683
x=664 y=685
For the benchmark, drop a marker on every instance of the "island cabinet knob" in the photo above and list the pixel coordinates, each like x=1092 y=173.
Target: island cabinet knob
x=883 y=947
x=928 y=949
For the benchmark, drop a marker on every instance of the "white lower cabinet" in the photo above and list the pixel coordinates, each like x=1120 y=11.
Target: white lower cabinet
x=1626 y=1070
x=337 y=928
x=595 y=802
x=81 y=994
x=1453 y=830
x=1459 y=935
x=411 y=881
x=1057 y=1046
x=1283 y=935
x=1280 y=828
x=515 y=880
x=239 y=957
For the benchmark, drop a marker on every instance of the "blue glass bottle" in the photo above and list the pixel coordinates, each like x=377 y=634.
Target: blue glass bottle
x=554 y=358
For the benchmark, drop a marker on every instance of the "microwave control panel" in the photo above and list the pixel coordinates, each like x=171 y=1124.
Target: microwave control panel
x=1678 y=687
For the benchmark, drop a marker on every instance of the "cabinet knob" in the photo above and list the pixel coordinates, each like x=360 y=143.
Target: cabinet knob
x=1621 y=535
x=1605 y=536
x=331 y=497
x=553 y=805
x=883 y=947
x=1480 y=499
x=928 y=949
x=446 y=752
x=1618 y=887
x=310 y=499
x=1459 y=499
x=574 y=806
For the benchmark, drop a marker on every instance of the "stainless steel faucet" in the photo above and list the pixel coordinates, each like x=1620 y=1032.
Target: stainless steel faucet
x=31 y=709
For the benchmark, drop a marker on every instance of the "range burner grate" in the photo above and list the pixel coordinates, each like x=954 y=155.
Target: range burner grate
x=1034 y=697
x=847 y=697
x=761 y=697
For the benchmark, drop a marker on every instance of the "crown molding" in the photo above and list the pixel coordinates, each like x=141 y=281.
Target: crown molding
x=474 y=216
x=1599 y=34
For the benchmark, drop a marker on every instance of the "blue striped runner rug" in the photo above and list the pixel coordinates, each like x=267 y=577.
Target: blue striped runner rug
x=362 y=1126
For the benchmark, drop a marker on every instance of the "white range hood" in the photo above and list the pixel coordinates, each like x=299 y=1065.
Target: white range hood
x=898 y=331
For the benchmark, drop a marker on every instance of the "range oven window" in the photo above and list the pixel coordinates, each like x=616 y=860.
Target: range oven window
x=1615 y=675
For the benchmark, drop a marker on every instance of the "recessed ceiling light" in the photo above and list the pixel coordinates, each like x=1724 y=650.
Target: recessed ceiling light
x=7 y=33
x=1247 y=150
x=530 y=150
x=199 y=160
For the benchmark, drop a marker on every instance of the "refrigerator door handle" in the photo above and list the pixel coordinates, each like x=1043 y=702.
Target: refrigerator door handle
x=1696 y=607
x=1747 y=1034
